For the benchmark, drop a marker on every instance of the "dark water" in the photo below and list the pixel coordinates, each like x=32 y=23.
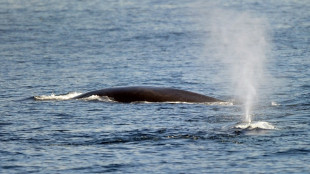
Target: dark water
x=77 y=46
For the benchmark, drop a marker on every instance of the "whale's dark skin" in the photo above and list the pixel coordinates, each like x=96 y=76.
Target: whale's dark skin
x=150 y=94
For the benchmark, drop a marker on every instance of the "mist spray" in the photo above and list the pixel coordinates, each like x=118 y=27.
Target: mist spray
x=241 y=46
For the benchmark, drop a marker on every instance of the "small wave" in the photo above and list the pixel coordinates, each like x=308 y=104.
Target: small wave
x=68 y=96
x=255 y=125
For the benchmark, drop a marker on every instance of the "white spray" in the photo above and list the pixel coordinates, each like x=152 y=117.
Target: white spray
x=240 y=44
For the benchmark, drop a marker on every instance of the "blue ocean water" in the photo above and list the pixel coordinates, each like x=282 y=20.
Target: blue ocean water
x=59 y=47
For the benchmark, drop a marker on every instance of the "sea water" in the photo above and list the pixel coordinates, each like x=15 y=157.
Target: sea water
x=51 y=51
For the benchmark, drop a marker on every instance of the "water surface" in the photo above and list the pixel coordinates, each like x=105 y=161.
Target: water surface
x=58 y=47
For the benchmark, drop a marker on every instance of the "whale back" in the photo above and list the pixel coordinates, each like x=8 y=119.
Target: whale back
x=150 y=94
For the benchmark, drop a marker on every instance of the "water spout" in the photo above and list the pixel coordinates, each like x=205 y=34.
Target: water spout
x=241 y=46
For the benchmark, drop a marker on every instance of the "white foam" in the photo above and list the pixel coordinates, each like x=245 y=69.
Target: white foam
x=68 y=96
x=273 y=103
x=255 y=125
x=219 y=103
x=71 y=95
x=97 y=98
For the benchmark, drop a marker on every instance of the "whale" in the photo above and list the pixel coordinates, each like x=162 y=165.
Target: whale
x=149 y=94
